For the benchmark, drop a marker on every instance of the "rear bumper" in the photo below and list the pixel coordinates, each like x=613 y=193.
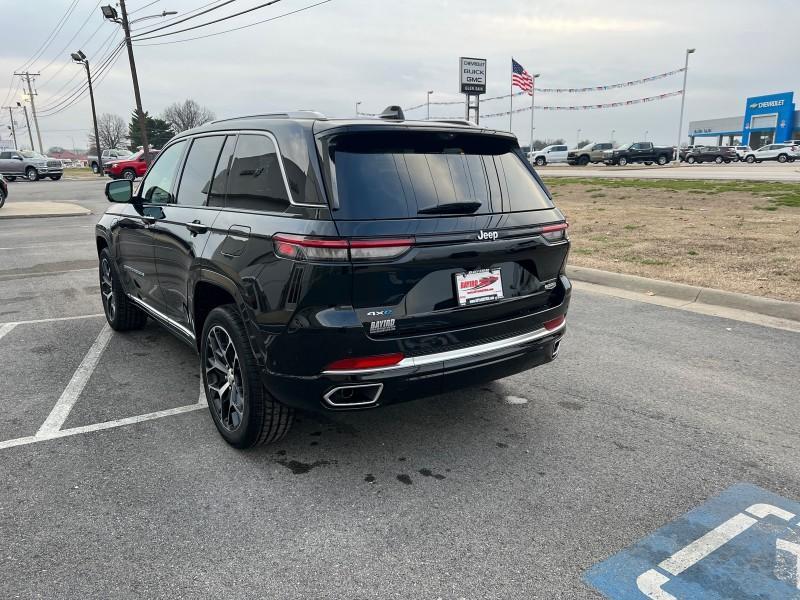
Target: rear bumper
x=425 y=374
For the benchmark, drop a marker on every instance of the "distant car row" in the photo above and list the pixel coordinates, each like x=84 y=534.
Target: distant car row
x=648 y=153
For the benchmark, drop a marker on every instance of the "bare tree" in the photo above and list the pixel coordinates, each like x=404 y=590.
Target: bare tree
x=187 y=114
x=113 y=131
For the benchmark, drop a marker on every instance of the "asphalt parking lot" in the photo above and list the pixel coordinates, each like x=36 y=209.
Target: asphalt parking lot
x=116 y=483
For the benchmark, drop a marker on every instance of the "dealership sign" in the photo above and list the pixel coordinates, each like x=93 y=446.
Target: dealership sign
x=472 y=75
x=774 y=111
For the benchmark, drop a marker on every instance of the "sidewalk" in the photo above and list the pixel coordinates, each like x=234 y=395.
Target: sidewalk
x=22 y=210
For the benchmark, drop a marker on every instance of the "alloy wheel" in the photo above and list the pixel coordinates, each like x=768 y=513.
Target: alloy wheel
x=224 y=386
x=107 y=289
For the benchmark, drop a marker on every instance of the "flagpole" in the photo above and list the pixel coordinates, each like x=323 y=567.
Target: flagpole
x=533 y=91
x=511 y=96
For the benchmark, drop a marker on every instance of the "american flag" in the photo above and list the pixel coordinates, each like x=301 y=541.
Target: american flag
x=520 y=77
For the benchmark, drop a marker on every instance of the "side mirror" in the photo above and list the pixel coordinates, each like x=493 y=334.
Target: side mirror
x=17 y=157
x=120 y=190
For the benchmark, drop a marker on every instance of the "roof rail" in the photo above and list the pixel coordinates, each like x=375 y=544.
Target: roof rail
x=294 y=114
x=456 y=122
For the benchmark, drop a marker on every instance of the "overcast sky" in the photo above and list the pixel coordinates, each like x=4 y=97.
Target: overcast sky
x=384 y=52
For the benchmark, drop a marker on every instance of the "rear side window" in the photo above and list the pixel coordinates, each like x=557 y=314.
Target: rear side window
x=255 y=180
x=199 y=170
x=394 y=175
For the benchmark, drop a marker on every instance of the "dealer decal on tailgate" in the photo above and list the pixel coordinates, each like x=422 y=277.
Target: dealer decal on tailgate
x=475 y=287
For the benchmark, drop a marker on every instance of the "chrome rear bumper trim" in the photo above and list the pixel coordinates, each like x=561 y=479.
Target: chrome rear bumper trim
x=427 y=359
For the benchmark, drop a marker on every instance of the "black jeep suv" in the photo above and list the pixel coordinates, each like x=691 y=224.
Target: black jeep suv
x=338 y=264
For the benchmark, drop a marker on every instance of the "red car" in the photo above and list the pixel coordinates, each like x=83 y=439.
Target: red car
x=129 y=168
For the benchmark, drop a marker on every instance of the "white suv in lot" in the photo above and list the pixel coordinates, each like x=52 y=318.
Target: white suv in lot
x=742 y=151
x=555 y=153
x=784 y=152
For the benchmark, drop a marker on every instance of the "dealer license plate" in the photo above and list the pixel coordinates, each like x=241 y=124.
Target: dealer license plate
x=476 y=287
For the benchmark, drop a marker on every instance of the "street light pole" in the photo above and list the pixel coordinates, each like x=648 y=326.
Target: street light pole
x=429 y=105
x=110 y=13
x=13 y=130
x=646 y=131
x=357 y=105
x=683 y=101
x=578 y=138
x=613 y=131
x=80 y=58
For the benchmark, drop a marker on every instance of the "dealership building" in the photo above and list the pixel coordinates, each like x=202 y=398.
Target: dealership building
x=767 y=119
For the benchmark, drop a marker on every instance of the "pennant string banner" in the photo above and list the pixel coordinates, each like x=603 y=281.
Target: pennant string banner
x=596 y=88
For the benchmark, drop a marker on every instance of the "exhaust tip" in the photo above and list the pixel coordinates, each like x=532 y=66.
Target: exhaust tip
x=353 y=396
x=556 y=347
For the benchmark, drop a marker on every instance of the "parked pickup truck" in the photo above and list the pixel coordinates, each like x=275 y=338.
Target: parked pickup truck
x=639 y=152
x=108 y=156
x=590 y=153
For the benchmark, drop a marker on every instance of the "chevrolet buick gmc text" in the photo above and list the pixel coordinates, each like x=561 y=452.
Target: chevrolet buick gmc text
x=324 y=264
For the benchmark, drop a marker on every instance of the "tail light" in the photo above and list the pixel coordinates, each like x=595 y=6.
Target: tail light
x=366 y=362
x=306 y=248
x=555 y=323
x=554 y=233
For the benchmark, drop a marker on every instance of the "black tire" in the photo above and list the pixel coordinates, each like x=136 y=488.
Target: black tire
x=622 y=161
x=121 y=313
x=662 y=160
x=129 y=174
x=690 y=159
x=261 y=419
x=583 y=160
x=727 y=161
x=750 y=159
x=31 y=174
x=782 y=158
x=55 y=177
x=95 y=168
x=540 y=161
x=11 y=177
x=2 y=197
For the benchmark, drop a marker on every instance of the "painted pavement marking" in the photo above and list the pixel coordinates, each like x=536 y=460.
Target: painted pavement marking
x=740 y=545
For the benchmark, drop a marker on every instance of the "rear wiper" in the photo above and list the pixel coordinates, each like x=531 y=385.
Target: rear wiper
x=452 y=208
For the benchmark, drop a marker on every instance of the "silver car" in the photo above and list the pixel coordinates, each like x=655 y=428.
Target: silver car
x=31 y=165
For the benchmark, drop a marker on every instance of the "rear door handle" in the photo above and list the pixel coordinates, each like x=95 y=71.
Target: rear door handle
x=196 y=227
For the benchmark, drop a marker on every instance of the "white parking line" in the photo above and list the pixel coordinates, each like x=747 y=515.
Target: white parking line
x=32 y=439
x=4 y=329
x=74 y=388
x=52 y=320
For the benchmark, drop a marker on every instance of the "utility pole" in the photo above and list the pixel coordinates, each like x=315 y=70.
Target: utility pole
x=80 y=58
x=683 y=100
x=13 y=130
x=429 y=105
x=533 y=91
x=31 y=94
x=109 y=12
x=27 y=122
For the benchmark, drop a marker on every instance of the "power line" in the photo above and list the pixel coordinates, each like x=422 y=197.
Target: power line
x=182 y=18
x=80 y=89
x=243 y=12
x=99 y=76
x=61 y=52
x=133 y=12
x=83 y=45
x=200 y=37
x=49 y=39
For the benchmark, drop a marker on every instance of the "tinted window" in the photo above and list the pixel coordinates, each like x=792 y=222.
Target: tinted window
x=199 y=170
x=157 y=185
x=5 y=154
x=219 y=182
x=560 y=148
x=523 y=191
x=255 y=181
x=410 y=174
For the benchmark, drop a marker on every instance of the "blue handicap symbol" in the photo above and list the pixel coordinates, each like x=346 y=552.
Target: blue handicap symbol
x=742 y=544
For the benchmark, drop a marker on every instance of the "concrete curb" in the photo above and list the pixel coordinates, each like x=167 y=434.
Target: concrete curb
x=689 y=294
x=27 y=210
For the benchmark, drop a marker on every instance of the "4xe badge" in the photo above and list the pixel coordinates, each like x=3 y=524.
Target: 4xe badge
x=487 y=235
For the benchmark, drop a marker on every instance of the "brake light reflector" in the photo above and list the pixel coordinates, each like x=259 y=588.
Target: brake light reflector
x=365 y=362
x=554 y=323
x=301 y=247
x=554 y=233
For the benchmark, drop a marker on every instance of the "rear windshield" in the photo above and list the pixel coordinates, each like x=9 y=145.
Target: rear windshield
x=395 y=175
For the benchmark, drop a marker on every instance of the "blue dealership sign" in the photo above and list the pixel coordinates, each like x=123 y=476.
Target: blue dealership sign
x=779 y=105
x=744 y=543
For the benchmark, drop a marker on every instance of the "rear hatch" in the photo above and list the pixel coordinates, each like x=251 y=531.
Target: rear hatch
x=471 y=236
